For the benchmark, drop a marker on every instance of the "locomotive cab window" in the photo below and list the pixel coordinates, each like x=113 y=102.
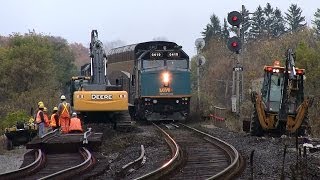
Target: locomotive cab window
x=177 y=64
x=149 y=64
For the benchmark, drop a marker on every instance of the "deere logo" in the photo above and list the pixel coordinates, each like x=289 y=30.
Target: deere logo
x=165 y=90
x=101 y=96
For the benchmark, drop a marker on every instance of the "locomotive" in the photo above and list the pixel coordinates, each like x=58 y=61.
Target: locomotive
x=156 y=75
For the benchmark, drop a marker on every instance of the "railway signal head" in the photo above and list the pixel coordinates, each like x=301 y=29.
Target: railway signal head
x=235 y=18
x=234 y=44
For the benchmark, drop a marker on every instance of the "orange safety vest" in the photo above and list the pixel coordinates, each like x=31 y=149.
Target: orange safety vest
x=65 y=112
x=46 y=119
x=38 y=118
x=75 y=124
x=53 y=120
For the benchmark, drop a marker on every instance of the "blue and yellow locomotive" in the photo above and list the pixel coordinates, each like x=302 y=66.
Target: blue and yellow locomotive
x=156 y=75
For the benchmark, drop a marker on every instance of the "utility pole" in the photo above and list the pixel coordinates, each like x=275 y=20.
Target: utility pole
x=200 y=60
x=235 y=45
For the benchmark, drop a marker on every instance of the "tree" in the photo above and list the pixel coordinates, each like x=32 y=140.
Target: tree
x=245 y=24
x=316 y=21
x=33 y=67
x=258 y=23
x=213 y=29
x=269 y=18
x=278 y=23
x=294 y=18
x=224 y=31
x=80 y=53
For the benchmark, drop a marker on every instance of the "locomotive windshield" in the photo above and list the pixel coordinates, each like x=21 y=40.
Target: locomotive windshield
x=177 y=64
x=149 y=64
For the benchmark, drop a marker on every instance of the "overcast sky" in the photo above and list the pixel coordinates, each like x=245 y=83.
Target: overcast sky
x=131 y=21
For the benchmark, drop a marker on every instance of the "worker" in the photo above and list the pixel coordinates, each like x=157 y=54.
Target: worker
x=40 y=102
x=46 y=117
x=64 y=110
x=54 y=119
x=75 y=124
x=40 y=121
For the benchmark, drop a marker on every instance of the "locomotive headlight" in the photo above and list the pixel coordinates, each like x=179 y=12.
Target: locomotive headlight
x=166 y=78
x=154 y=101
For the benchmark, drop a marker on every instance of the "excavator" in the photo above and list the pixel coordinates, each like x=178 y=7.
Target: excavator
x=92 y=95
x=281 y=106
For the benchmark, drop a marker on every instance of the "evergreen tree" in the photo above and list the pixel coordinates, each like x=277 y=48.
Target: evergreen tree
x=245 y=24
x=207 y=33
x=269 y=18
x=258 y=23
x=294 y=18
x=213 y=29
x=278 y=24
x=316 y=21
x=224 y=31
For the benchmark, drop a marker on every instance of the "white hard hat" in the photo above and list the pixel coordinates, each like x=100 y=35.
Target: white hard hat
x=74 y=114
x=63 y=97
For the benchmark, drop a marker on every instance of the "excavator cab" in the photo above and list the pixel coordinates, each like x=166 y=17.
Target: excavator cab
x=273 y=86
x=280 y=105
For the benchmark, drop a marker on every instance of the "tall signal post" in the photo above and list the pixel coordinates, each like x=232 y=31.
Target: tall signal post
x=234 y=44
x=200 y=60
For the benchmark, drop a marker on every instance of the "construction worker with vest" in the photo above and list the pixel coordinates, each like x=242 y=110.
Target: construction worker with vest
x=46 y=118
x=35 y=115
x=75 y=124
x=40 y=121
x=54 y=119
x=64 y=110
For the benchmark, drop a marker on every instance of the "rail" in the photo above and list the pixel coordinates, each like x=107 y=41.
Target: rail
x=46 y=137
x=171 y=164
x=29 y=169
x=236 y=164
x=126 y=169
x=72 y=171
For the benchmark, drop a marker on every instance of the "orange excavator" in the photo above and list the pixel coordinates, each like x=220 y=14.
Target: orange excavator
x=281 y=106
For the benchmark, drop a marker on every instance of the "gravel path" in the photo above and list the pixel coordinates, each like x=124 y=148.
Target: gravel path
x=11 y=160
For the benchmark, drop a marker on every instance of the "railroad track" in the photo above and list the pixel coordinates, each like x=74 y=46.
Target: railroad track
x=36 y=165
x=206 y=157
x=197 y=155
x=40 y=165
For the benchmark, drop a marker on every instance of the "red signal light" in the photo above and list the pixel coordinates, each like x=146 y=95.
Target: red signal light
x=234 y=18
x=234 y=44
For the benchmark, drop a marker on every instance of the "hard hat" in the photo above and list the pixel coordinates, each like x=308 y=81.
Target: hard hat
x=41 y=106
x=63 y=97
x=45 y=109
x=74 y=114
x=55 y=109
x=40 y=102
